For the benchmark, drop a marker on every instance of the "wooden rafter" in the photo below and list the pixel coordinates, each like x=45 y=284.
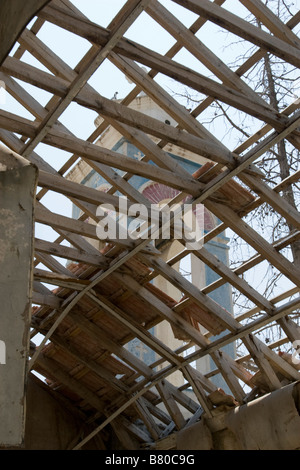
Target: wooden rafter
x=113 y=285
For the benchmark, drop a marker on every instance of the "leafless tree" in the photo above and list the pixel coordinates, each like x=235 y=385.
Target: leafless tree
x=278 y=84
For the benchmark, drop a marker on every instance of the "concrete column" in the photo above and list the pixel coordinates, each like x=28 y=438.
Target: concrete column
x=163 y=330
x=18 y=180
x=15 y=14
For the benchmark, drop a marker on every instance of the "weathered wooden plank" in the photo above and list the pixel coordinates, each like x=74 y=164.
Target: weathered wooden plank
x=139 y=433
x=46 y=299
x=68 y=253
x=94 y=58
x=119 y=112
x=54 y=63
x=230 y=276
x=140 y=332
x=244 y=29
x=198 y=390
x=146 y=416
x=163 y=309
x=253 y=261
x=229 y=376
x=255 y=240
x=291 y=329
x=38 y=111
x=279 y=364
x=263 y=364
x=78 y=191
x=271 y=21
x=121 y=431
x=179 y=113
x=149 y=148
x=171 y=405
x=112 y=346
x=156 y=61
x=94 y=152
x=278 y=203
x=59 y=279
x=193 y=44
x=67 y=5
x=182 y=398
x=222 y=315
x=91 y=364
x=52 y=367
x=51 y=263
x=61 y=222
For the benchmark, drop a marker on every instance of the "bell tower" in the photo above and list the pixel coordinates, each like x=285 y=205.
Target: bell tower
x=195 y=270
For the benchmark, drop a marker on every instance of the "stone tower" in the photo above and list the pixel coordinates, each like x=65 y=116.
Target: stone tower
x=196 y=271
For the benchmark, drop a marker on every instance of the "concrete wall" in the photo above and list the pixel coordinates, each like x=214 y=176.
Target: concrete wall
x=50 y=425
x=18 y=181
x=15 y=15
x=271 y=422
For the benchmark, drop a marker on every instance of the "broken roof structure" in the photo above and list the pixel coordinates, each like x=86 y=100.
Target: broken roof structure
x=89 y=303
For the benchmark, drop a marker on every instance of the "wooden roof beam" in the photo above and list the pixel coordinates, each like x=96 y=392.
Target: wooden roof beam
x=119 y=112
x=213 y=347
x=39 y=112
x=67 y=253
x=278 y=203
x=124 y=19
x=151 y=341
x=111 y=345
x=165 y=311
x=57 y=373
x=255 y=240
x=230 y=276
x=244 y=29
x=99 y=154
x=266 y=16
x=171 y=405
x=193 y=44
x=171 y=53
x=198 y=297
x=163 y=64
x=49 y=300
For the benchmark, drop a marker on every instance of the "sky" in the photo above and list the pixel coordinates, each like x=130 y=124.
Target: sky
x=108 y=80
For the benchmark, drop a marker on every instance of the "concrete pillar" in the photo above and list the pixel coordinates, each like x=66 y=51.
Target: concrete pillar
x=270 y=422
x=163 y=330
x=18 y=180
x=15 y=14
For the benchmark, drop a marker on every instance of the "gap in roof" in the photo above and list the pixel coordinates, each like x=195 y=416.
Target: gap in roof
x=45 y=232
x=150 y=34
x=237 y=8
x=109 y=80
x=183 y=94
x=32 y=22
x=101 y=12
x=220 y=119
x=57 y=203
x=79 y=120
x=11 y=105
x=55 y=157
x=14 y=49
x=186 y=16
x=67 y=46
x=227 y=46
x=29 y=59
x=188 y=59
x=41 y=96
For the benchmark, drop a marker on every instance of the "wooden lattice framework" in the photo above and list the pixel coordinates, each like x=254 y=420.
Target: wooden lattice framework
x=83 y=358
